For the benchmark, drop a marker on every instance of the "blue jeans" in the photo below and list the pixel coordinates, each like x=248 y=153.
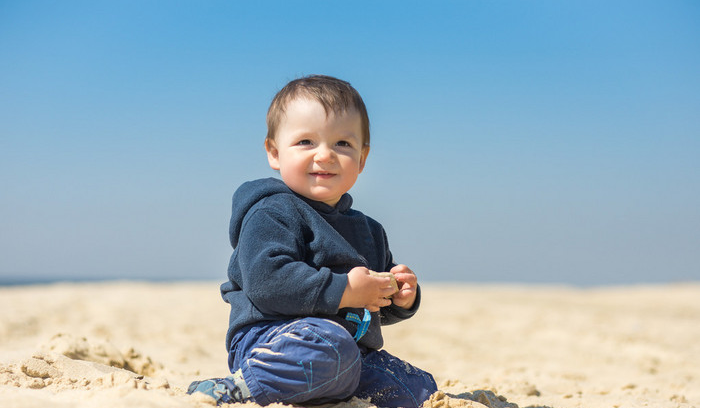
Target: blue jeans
x=314 y=360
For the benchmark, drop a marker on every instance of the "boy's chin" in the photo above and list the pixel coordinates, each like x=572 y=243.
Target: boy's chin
x=327 y=195
x=329 y=199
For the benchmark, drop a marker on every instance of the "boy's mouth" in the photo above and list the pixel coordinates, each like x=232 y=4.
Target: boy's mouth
x=322 y=174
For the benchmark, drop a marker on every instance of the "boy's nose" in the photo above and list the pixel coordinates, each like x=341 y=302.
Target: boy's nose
x=323 y=154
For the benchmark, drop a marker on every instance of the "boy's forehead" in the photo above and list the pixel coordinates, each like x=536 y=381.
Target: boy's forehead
x=329 y=109
x=298 y=98
x=306 y=107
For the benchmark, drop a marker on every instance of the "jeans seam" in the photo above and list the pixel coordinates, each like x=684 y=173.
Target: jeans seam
x=257 y=385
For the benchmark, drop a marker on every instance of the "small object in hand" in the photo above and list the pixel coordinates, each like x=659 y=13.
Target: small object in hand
x=389 y=275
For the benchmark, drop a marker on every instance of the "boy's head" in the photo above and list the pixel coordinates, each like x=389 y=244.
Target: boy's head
x=318 y=137
x=334 y=94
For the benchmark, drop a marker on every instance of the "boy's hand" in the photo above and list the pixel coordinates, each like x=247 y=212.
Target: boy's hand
x=366 y=291
x=407 y=282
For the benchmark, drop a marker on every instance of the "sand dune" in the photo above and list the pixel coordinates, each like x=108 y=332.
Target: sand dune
x=139 y=345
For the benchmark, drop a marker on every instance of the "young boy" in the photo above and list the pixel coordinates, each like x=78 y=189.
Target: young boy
x=305 y=309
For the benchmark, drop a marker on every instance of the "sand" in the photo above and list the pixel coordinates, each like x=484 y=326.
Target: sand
x=140 y=344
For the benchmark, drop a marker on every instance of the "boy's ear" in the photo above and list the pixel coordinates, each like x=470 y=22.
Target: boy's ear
x=273 y=154
x=363 y=157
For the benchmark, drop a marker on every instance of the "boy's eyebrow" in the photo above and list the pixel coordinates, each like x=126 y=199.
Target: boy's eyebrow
x=351 y=134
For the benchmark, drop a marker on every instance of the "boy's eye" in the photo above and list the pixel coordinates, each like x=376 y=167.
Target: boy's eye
x=343 y=143
x=305 y=142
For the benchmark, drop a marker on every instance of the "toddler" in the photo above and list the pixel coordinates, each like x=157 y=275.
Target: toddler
x=306 y=309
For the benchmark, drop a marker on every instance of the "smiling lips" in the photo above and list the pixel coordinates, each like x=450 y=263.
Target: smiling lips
x=322 y=174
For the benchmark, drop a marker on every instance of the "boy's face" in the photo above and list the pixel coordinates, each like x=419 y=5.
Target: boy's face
x=318 y=156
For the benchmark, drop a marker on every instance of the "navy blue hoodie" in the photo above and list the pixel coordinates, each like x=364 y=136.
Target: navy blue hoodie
x=292 y=255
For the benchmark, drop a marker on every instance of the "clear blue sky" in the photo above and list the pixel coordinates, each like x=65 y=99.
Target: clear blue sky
x=512 y=141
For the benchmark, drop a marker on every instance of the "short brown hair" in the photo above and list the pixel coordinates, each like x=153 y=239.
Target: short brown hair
x=334 y=94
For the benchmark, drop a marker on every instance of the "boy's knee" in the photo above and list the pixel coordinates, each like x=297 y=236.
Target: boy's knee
x=331 y=336
x=307 y=359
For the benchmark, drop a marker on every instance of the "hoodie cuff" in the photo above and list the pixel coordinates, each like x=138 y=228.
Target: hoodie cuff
x=331 y=294
x=402 y=313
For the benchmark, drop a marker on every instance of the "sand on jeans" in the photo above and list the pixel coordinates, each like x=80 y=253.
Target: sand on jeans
x=126 y=344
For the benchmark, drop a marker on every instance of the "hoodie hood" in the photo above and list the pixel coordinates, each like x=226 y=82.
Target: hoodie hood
x=252 y=192
x=247 y=196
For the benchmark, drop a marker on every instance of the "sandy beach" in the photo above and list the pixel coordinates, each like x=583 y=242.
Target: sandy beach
x=125 y=344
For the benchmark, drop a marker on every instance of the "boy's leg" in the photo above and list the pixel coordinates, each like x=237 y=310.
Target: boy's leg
x=302 y=360
x=391 y=382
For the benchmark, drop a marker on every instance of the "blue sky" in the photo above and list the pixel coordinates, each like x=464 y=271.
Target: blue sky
x=512 y=141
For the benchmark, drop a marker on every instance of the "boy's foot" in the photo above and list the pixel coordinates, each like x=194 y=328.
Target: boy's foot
x=223 y=390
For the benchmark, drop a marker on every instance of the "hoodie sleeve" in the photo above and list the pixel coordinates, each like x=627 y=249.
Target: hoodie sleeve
x=270 y=258
x=394 y=314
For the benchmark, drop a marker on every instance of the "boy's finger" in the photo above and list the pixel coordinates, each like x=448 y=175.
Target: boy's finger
x=407 y=291
x=405 y=277
x=386 y=279
x=388 y=291
x=382 y=302
x=401 y=268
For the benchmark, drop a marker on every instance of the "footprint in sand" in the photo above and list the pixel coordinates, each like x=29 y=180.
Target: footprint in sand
x=67 y=362
x=476 y=399
x=78 y=348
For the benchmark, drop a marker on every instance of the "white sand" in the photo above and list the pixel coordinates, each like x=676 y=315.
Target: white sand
x=139 y=345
